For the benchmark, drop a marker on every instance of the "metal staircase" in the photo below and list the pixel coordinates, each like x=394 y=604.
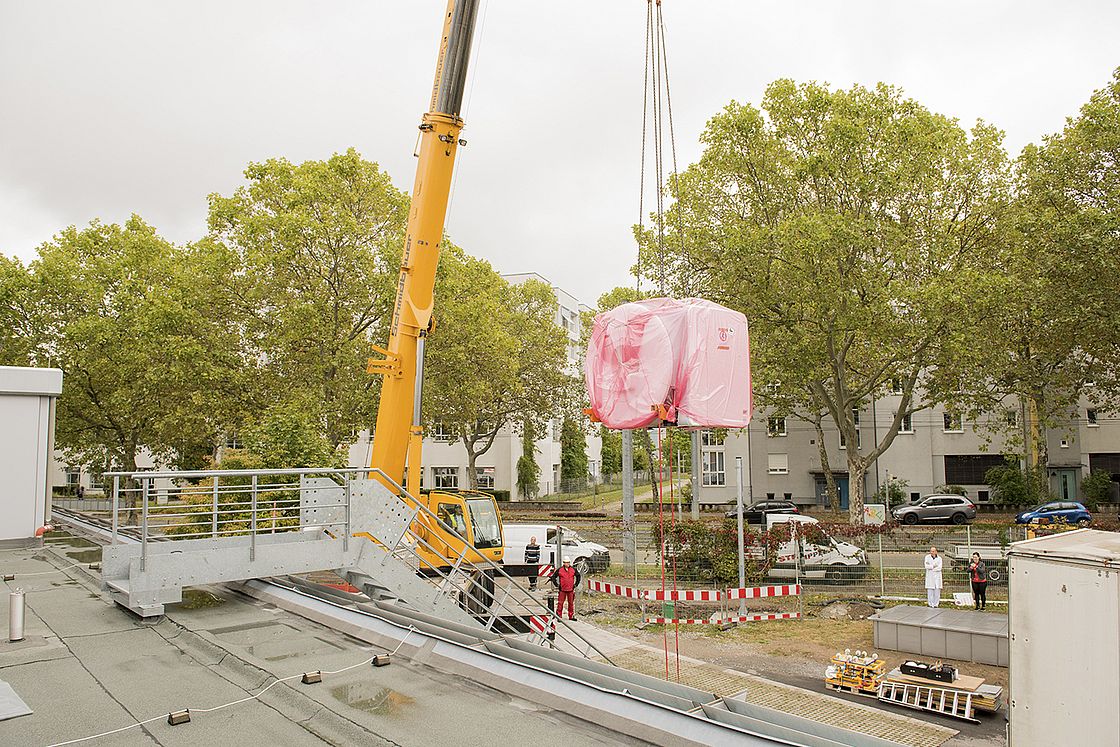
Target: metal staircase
x=170 y=530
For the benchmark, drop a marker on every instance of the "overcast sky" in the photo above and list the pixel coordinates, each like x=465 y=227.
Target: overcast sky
x=112 y=108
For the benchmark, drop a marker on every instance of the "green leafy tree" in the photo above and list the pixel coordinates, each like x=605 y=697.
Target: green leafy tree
x=286 y=436
x=496 y=356
x=851 y=227
x=128 y=318
x=573 y=453
x=1012 y=487
x=1052 y=315
x=312 y=252
x=17 y=322
x=611 y=452
x=528 y=471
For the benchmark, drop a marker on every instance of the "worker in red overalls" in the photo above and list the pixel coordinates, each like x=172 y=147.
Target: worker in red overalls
x=566 y=580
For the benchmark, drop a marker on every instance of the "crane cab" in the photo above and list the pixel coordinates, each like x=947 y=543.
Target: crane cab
x=471 y=515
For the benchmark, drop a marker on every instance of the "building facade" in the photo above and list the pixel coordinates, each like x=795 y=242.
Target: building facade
x=934 y=448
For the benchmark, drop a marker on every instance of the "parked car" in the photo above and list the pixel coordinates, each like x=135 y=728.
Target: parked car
x=757 y=511
x=952 y=508
x=1067 y=511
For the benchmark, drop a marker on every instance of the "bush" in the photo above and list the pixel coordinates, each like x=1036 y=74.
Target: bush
x=1096 y=488
x=1010 y=486
x=953 y=490
x=892 y=493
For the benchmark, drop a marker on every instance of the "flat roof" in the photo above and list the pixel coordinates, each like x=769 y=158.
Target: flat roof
x=87 y=667
x=30 y=381
x=1091 y=545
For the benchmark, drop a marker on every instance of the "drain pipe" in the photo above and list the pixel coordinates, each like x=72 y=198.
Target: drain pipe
x=15 y=615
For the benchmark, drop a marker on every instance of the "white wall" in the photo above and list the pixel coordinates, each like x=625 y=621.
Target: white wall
x=26 y=442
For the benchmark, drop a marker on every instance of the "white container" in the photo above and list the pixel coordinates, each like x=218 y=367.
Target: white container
x=1064 y=628
x=27 y=397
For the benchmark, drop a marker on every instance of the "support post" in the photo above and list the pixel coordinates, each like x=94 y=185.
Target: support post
x=144 y=524
x=116 y=505
x=696 y=471
x=739 y=528
x=214 y=516
x=882 y=583
x=629 y=544
x=253 y=523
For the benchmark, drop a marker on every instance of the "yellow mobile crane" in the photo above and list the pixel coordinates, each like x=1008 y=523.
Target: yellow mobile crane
x=399 y=434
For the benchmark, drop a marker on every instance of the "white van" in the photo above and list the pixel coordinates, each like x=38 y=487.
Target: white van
x=837 y=561
x=587 y=557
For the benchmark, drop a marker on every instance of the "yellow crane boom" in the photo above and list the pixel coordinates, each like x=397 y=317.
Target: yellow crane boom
x=398 y=434
x=467 y=521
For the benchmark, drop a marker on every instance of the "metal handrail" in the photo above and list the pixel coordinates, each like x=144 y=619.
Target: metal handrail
x=489 y=565
x=469 y=572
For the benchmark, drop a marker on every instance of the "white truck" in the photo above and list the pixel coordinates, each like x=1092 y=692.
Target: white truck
x=587 y=557
x=835 y=561
x=1064 y=639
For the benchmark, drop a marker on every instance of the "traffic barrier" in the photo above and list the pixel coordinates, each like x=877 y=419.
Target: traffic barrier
x=684 y=595
x=616 y=589
x=758 y=592
x=760 y=618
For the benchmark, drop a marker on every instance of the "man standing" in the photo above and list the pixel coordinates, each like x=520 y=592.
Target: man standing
x=567 y=581
x=933 y=578
x=533 y=560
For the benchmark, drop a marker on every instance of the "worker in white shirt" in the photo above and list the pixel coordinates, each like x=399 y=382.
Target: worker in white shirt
x=933 y=578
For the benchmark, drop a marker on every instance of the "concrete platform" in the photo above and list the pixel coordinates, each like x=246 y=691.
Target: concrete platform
x=963 y=635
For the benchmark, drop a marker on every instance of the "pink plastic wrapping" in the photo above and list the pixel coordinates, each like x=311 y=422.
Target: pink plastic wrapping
x=687 y=359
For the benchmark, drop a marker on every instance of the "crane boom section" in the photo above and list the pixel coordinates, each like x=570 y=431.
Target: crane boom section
x=398 y=413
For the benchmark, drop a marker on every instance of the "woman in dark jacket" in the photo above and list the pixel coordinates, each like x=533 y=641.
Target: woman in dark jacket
x=978 y=574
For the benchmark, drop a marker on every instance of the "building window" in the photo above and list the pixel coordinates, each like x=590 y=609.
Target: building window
x=485 y=477
x=441 y=432
x=970 y=469
x=859 y=438
x=557 y=426
x=232 y=442
x=778 y=464
x=769 y=496
x=1091 y=416
x=896 y=385
x=915 y=497
x=73 y=476
x=907 y=424
x=713 y=468
x=855 y=416
x=776 y=427
x=1064 y=444
x=445 y=477
x=983 y=495
x=711 y=438
x=1012 y=417
x=953 y=422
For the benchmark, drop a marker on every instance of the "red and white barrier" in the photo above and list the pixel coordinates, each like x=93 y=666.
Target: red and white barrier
x=758 y=592
x=721 y=621
x=685 y=595
x=544 y=571
x=542 y=624
x=619 y=591
x=760 y=618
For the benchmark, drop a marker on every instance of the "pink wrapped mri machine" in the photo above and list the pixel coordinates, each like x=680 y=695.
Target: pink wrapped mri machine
x=683 y=361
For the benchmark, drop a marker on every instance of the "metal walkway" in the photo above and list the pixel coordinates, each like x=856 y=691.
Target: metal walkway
x=170 y=530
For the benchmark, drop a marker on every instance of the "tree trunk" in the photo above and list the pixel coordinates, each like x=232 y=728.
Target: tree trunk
x=134 y=492
x=829 y=479
x=472 y=473
x=857 y=468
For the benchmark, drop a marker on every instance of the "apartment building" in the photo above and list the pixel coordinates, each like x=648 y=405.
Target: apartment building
x=936 y=447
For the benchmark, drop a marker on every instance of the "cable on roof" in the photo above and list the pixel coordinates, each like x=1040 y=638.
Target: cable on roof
x=189 y=711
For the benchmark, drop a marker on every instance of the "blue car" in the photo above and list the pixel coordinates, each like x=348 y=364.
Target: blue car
x=1067 y=511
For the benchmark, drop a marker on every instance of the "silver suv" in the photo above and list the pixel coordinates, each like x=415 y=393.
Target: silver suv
x=952 y=508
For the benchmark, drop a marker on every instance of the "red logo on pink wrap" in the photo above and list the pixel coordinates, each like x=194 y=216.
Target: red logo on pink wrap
x=723 y=333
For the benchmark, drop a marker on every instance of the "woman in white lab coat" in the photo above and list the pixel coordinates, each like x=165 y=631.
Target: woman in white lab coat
x=933 y=578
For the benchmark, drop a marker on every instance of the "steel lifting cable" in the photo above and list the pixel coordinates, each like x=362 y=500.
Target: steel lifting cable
x=656 y=105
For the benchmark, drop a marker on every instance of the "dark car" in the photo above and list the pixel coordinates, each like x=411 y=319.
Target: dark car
x=756 y=512
x=952 y=508
x=1067 y=511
